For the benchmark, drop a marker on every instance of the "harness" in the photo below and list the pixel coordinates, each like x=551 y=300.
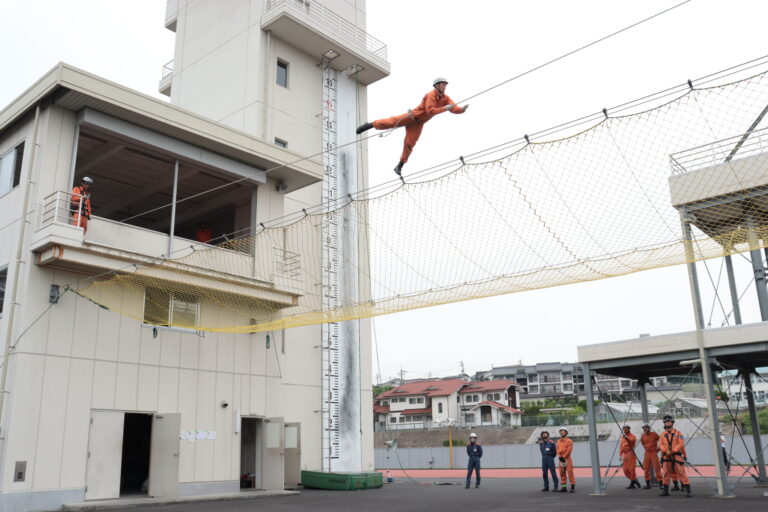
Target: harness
x=674 y=454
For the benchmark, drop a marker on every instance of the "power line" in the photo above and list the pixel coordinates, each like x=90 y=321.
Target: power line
x=540 y=66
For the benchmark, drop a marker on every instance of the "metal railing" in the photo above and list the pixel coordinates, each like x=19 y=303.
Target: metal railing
x=167 y=69
x=329 y=20
x=60 y=208
x=716 y=153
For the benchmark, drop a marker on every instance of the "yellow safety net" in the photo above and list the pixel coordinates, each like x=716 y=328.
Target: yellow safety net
x=601 y=201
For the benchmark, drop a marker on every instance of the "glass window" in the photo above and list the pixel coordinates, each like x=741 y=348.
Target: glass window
x=282 y=73
x=10 y=169
x=411 y=400
x=184 y=309
x=162 y=307
x=281 y=143
x=440 y=407
x=420 y=400
x=3 y=280
x=393 y=420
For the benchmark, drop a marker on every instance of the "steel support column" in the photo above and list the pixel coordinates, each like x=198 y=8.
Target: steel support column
x=721 y=476
x=597 y=486
x=172 y=232
x=758 y=268
x=643 y=400
x=732 y=288
x=760 y=459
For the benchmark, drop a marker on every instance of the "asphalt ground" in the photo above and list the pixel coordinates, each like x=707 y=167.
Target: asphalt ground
x=493 y=495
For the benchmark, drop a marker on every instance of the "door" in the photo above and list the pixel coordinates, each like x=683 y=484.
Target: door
x=292 y=442
x=105 y=455
x=273 y=460
x=164 y=455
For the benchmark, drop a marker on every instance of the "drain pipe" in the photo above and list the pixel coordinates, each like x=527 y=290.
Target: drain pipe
x=14 y=291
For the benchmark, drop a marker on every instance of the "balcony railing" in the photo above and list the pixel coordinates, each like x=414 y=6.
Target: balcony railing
x=167 y=69
x=716 y=153
x=60 y=208
x=332 y=22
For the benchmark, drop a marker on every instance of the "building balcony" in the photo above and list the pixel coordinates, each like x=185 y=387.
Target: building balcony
x=166 y=79
x=319 y=31
x=111 y=246
x=171 y=14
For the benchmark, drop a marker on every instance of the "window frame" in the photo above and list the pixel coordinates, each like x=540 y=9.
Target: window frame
x=16 y=152
x=281 y=143
x=172 y=297
x=3 y=288
x=284 y=65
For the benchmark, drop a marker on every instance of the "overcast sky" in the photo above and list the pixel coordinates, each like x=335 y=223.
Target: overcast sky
x=474 y=44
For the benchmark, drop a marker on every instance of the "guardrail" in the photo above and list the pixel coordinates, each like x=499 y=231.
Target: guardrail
x=59 y=208
x=718 y=152
x=167 y=69
x=331 y=21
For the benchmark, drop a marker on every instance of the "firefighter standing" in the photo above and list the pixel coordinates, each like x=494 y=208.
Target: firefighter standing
x=628 y=457
x=672 y=447
x=80 y=203
x=564 y=449
x=475 y=452
x=548 y=453
x=434 y=102
x=650 y=442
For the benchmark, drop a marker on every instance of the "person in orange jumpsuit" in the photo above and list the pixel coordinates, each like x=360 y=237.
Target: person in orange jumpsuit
x=564 y=449
x=672 y=447
x=80 y=203
x=203 y=234
x=675 y=486
x=628 y=457
x=650 y=442
x=434 y=102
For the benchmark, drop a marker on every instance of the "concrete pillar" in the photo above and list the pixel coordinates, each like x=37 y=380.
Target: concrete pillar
x=597 y=486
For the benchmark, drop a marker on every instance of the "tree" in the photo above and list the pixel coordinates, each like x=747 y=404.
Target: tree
x=377 y=390
x=762 y=421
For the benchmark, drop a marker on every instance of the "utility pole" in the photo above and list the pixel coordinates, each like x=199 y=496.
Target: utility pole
x=401 y=375
x=461 y=365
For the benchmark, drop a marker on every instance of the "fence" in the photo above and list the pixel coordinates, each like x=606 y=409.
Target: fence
x=528 y=455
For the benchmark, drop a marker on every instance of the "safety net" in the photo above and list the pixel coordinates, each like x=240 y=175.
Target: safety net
x=599 y=197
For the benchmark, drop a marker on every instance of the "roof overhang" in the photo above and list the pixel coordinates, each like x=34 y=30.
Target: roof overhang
x=74 y=89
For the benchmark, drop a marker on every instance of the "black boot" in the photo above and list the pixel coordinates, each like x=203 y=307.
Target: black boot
x=674 y=486
x=687 y=488
x=563 y=489
x=647 y=484
x=631 y=485
x=636 y=484
x=364 y=128
x=399 y=168
x=573 y=488
x=664 y=490
x=546 y=489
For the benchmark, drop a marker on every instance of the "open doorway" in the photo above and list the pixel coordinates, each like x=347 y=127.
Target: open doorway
x=134 y=468
x=250 y=453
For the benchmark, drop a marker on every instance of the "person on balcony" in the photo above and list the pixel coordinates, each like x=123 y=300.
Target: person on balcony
x=434 y=102
x=203 y=234
x=80 y=203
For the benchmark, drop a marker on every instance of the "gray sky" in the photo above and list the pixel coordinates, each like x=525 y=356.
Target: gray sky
x=474 y=44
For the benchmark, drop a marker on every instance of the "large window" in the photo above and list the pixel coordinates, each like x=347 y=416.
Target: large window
x=282 y=73
x=162 y=307
x=440 y=407
x=3 y=280
x=10 y=169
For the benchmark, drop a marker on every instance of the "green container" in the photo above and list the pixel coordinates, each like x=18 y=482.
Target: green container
x=341 y=481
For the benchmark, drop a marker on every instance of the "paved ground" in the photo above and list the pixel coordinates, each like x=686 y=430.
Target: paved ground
x=494 y=495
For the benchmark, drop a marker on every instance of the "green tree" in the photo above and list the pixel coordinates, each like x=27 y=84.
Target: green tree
x=377 y=390
x=762 y=421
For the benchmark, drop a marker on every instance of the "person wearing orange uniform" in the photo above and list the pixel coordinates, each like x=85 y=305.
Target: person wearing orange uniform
x=672 y=447
x=650 y=442
x=434 y=102
x=628 y=457
x=564 y=449
x=675 y=486
x=80 y=203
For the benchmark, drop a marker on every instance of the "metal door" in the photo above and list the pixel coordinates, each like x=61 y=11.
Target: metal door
x=164 y=455
x=105 y=455
x=292 y=442
x=273 y=460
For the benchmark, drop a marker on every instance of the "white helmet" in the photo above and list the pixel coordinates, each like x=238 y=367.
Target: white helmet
x=473 y=435
x=563 y=428
x=438 y=80
x=87 y=180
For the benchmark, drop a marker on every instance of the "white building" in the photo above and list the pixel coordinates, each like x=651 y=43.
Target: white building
x=490 y=403
x=421 y=404
x=96 y=404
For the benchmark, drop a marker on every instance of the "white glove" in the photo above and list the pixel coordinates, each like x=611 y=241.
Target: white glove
x=449 y=107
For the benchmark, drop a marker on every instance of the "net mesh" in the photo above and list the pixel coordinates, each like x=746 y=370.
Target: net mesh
x=602 y=202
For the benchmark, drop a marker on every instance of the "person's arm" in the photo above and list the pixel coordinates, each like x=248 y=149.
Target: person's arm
x=452 y=107
x=480 y=453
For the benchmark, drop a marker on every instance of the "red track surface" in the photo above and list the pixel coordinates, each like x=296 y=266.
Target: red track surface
x=536 y=473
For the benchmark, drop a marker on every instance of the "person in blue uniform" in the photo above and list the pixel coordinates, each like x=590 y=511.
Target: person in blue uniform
x=475 y=452
x=548 y=453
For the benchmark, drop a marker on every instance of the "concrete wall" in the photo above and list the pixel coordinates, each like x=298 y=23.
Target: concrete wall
x=529 y=456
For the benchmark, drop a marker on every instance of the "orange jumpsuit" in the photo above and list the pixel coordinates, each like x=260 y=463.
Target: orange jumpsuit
x=685 y=456
x=81 y=210
x=433 y=103
x=672 y=447
x=564 y=449
x=628 y=457
x=650 y=443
